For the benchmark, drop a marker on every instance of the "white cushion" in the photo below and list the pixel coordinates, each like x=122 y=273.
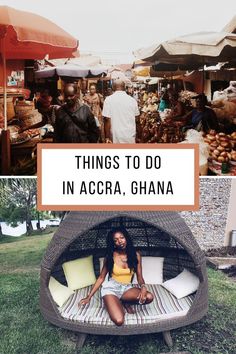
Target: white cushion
x=60 y=293
x=152 y=269
x=183 y=285
x=79 y=272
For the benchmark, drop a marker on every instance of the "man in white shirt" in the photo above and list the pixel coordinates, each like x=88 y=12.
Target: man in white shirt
x=120 y=112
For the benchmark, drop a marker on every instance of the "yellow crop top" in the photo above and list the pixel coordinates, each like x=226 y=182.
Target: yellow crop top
x=122 y=275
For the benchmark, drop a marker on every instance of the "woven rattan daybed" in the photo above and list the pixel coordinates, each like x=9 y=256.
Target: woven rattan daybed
x=162 y=234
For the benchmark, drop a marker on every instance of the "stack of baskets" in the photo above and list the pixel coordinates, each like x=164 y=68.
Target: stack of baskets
x=27 y=114
x=10 y=108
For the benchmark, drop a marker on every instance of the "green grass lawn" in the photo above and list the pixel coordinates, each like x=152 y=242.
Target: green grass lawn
x=24 y=331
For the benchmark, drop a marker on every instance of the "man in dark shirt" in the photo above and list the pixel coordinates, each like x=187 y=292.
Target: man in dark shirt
x=75 y=122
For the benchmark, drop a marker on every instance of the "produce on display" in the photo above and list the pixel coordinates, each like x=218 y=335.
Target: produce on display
x=222 y=149
x=150 y=105
x=150 y=129
x=186 y=97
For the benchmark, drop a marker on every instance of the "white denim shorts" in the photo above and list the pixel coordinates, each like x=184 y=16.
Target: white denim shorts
x=112 y=287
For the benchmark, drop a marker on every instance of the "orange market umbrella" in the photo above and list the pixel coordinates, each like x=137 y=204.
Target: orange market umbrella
x=24 y=35
x=30 y=36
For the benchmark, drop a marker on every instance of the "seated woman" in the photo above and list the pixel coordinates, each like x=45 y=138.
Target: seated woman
x=121 y=262
x=177 y=107
x=201 y=118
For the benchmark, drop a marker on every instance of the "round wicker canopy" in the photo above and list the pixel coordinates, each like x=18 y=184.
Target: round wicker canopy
x=77 y=224
x=154 y=233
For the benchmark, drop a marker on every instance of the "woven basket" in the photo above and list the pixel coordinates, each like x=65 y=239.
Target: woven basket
x=10 y=108
x=23 y=109
x=31 y=118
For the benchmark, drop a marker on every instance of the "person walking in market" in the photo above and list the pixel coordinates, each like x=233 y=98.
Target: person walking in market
x=75 y=123
x=120 y=112
x=95 y=101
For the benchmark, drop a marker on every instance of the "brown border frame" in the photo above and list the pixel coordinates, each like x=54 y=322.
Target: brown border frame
x=193 y=207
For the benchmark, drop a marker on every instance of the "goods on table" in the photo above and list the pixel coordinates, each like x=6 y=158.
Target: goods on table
x=186 y=97
x=150 y=105
x=165 y=114
x=150 y=108
x=17 y=137
x=150 y=129
x=171 y=131
x=26 y=117
x=222 y=149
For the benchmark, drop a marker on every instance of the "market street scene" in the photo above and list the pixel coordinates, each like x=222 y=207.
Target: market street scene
x=62 y=82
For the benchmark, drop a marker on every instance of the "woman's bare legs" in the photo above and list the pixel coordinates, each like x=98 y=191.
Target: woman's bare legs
x=114 y=306
x=131 y=297
x=115 y=309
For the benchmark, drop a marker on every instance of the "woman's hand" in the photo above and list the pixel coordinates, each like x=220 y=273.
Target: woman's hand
x=142 y=295
x=84 y=301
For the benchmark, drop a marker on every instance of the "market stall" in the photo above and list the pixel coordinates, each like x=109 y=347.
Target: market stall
x=217 y=149
x=192 y=52
x=26 y=130
x=222 y=153
x=155 y=126
x=26 y=35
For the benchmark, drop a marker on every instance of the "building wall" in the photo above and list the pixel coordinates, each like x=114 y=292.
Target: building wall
x=209 y=223
x=231 y=219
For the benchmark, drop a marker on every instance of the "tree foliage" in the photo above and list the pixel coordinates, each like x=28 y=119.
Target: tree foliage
x=18 y=201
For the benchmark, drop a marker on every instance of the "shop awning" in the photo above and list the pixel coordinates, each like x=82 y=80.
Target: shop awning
x=191 y=50
x=71 y=70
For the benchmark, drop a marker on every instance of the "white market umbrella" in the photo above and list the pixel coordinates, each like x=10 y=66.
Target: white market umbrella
x=192 y=50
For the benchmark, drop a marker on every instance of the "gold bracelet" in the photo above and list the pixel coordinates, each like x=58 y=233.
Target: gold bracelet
x=143 y=285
